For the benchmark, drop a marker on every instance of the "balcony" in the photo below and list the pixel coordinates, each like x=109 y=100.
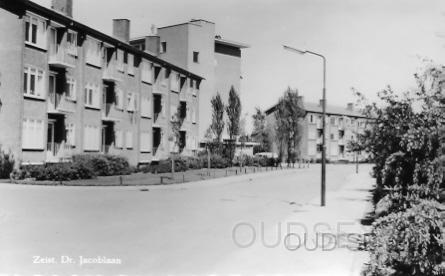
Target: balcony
x=111 y=72
x=108 y=112
x=59 y=57
x=58 y=152
x=58 y=104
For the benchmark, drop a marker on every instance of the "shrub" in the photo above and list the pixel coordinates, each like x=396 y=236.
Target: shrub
x=6 y=164
x=55 y=172
x=219 y=162
x=408 y=243
x=196 y=163
x=104 y=164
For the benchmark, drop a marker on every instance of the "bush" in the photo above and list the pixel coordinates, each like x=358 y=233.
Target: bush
x=408 y=243
x=243 y=160
x=6 y=164
x=55 y=172
x=104 y=164
x=219 y=162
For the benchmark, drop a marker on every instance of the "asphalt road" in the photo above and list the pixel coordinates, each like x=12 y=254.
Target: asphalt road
x=175 y=229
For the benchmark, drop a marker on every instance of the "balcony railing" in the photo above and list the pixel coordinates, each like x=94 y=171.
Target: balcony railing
x=58 y=57
x=58 y=152
x=57 y=103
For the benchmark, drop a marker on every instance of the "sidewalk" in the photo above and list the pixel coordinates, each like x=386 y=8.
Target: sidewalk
x=275 y=252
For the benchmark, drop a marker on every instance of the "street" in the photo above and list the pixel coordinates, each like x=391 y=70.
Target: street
x=185 y=228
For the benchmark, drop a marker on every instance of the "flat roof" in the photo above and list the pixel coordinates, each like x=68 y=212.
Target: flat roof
x=231 y=43
x=330 y=110
x=75 y=25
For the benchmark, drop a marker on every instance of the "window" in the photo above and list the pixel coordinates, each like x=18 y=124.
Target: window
x=33 y=134
x=319 y=148
x=120 y=60
x=91 y=138
x=131 y=102
x=147 y=72
x=92 y=96
x=196 y=57
x=34 y=85
x=70 y=135
x=146 y=107
x=173 y=112
x=71 y=39
x=311 y=133
x=94 y=52
x=119 y=99
x=145 y=141
x=332 y=136
x=174 y=82
x=311 y=119
x=163 y=47
x=166 y=77
x=71 y=88
x=129 y=140
x=35 y=31
x=194 y=116
x=119 y=139
x=130 y=64
x=333 y=121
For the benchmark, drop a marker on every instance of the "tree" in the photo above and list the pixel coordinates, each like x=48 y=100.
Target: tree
x=260 y=133
x=233 y=111
x=217 y=125
x=176 y=124
x=288 y=114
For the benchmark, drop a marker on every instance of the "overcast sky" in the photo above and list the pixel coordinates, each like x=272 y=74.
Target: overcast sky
x=368 y=43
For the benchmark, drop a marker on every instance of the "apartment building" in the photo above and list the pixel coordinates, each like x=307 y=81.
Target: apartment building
x=342 y=126
x=67 y=88
x=195 y=46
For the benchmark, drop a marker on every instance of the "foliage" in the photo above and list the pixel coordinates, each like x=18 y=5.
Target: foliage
x=259 y=132
x=176 y=124
x=6 y=164
x=410 y=242
x=404 y=143
x=55 y=172
x=288 y=114
x=217 y=125
x=233 y=111
x=405 y=135
x=104 y=164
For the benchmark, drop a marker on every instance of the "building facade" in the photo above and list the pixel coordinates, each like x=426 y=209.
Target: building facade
x=342 y=126
x=67 y=88
x=195 y=46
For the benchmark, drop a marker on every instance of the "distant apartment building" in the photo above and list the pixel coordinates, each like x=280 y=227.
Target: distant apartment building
x=342 y=126
x=67 y=88
x=195 y=46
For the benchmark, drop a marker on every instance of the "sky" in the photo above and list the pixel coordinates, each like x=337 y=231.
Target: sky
x=369 y=44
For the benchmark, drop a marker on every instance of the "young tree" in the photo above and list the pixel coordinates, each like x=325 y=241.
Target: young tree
x=288 y=113
x=176 y=124
x=217 y=125
x=233 y=111
x=260 y=133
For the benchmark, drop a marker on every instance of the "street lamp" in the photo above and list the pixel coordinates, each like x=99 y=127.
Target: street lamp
x=323 y=150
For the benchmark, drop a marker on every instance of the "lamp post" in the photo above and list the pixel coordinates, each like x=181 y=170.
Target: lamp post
x=323 y=150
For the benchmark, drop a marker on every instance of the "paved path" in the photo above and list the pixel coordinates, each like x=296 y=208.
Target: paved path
x=175 y=229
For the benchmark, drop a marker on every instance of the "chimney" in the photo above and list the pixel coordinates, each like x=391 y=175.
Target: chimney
x=153 y=44
x=63 y=6
x=350 y=107
x=121 y=29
